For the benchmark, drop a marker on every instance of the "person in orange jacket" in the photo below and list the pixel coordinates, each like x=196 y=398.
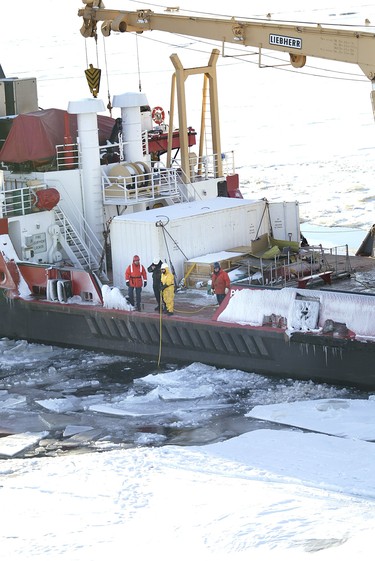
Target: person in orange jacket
x=136 y=279
x=220 y=282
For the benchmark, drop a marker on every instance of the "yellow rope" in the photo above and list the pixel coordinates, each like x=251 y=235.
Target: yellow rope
x=160 y=327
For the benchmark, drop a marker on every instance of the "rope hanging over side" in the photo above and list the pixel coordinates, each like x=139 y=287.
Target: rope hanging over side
x=160 y=331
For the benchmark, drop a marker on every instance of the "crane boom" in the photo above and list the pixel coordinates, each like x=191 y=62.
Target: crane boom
x=342 y=44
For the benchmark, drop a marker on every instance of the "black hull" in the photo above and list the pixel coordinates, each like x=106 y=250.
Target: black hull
x=263 y=350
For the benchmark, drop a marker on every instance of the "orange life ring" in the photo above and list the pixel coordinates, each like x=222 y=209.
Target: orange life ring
x=158 y=115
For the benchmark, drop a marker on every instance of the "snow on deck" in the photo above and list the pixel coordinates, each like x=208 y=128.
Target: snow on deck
x=249 y=306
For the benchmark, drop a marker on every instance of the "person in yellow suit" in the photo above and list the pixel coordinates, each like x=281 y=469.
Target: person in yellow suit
x=167 y=288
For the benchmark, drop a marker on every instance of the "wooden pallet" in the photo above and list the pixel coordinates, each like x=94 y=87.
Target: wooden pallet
x=198 y=273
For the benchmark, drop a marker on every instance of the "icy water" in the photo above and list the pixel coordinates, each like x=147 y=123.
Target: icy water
x=305 y=135
x=86 y=401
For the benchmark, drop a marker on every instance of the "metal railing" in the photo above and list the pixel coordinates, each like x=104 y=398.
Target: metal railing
x=284 y=270
x=164 y=182
x=80 y=238
x=142 y=187
x=18 y=201
x=206 y=167
x=67 y=156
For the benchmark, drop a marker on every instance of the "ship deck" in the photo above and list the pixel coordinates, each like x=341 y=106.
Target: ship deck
x=191 y=303
x=199 y=305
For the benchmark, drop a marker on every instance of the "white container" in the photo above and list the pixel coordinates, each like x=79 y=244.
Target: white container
x=190 y=230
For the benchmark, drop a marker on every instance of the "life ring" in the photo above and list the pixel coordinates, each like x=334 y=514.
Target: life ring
x=158 y=115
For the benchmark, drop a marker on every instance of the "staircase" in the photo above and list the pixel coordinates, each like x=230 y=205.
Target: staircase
x=81 y=247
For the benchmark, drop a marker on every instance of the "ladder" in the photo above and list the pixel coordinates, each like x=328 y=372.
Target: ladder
x=80 y=247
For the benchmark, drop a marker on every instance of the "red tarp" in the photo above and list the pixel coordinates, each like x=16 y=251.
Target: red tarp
x=34 y=136
x=158 y=141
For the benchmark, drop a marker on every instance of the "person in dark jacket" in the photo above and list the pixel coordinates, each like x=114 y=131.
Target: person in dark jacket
x=220 y=282
x=155 y=270
x=136 y=279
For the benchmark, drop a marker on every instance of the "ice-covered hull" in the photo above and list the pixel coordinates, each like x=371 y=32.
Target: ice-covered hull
x=265 y=350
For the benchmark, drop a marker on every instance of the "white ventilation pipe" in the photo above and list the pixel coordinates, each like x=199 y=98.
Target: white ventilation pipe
x=130 y=105
x=92 y=198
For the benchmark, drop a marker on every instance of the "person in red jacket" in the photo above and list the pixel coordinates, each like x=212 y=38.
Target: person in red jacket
x=220 y=282
x=136 y=279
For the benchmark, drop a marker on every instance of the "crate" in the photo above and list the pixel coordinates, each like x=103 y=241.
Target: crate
x=198 y=271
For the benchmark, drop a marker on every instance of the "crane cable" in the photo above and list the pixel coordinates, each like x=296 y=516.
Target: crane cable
x=96 y=51
x=109 y=104
x=138 y=65
x=160 y=224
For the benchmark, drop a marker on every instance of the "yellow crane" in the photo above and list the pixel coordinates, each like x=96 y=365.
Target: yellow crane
x=349 y=44
x=355 y=45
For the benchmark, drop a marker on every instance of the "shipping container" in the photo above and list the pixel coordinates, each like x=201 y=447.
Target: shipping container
x=181 y=232
x=18 y=96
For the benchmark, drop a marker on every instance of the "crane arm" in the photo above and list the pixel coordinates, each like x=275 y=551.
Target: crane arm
x=342 y=44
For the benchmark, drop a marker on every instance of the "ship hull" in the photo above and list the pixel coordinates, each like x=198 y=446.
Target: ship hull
x=264 y=350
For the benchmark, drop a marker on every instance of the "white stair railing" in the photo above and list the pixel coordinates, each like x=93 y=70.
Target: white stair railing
x=80 y=241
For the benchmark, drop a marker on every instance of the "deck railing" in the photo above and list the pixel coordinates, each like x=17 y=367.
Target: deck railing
x=67 y=156
x=140 y=188
x=207 y=167
x=163 y=182
x=18 y=201
x=288 y=269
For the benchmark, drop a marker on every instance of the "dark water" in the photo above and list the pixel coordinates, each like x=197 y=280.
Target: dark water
x=83 y=401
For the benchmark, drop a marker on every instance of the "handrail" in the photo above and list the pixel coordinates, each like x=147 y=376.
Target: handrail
x=206 y=167
x=18 y=201
x=67 y=156
x=133 y=189
x=162 y=182
x=286 y=269
x=21 y=201
x=80 y=229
